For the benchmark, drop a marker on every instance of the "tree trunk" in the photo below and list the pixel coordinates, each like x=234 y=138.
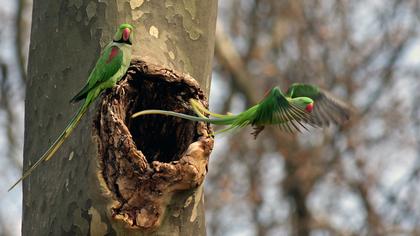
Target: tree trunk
x=71 y=194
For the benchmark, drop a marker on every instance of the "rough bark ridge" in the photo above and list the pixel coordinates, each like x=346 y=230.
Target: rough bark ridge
x=144 y=161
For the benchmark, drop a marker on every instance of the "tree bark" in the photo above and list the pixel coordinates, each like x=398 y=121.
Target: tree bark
x=65 y=196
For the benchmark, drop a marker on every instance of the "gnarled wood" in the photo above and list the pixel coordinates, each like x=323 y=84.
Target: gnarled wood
x=144 y=161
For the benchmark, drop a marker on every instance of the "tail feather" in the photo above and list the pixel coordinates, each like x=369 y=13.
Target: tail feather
x=199 y=109
x=57 y=143
x=217 y=121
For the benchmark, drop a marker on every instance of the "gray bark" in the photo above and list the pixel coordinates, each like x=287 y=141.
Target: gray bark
x=63 y=197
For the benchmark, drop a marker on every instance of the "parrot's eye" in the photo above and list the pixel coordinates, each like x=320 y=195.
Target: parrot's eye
x=309 y=107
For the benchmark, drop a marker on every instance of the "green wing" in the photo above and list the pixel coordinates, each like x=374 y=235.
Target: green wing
x=276 y=109
x=327 y=109
x=106 y=66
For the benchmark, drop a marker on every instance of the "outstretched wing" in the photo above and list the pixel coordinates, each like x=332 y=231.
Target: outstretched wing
x=276 y=109
x=106 y=66
x=327 y=109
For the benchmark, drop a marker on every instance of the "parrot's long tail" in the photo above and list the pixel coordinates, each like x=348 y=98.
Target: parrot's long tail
x=57 y=143
x=200 y=110
x=217 y=121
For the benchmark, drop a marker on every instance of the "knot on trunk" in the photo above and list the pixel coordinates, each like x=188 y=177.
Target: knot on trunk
x=144 y=161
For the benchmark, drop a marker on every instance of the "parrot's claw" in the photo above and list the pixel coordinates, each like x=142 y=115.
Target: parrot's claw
x=257 y=130
x=120 y=89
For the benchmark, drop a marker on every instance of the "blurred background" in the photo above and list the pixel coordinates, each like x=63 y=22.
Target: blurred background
x=362 y=178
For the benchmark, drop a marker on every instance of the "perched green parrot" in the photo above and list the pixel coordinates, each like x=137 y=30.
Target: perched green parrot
x=302 y=104
x=109 y=69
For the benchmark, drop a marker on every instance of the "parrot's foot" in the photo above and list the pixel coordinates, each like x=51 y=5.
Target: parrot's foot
x=257 y=130
x=120 y=89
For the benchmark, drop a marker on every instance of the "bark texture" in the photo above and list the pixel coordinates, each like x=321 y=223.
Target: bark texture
x=63 y=196
x=144 y=161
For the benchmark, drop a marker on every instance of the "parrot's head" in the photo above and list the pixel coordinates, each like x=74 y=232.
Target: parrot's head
x=124 y=34
x=304 y=103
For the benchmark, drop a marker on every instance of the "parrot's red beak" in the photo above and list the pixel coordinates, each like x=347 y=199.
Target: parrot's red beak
x=126 y=34
x=309 y=107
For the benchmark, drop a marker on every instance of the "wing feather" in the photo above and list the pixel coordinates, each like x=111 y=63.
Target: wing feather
x=275 y=108
x=327 y=108
x=106 y=66
x=278 y=109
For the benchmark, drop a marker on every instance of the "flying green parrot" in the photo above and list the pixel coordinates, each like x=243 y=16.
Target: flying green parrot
x=109 y=69
x=301 y=105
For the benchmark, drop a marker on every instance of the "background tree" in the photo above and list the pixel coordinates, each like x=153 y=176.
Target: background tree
x=360 y=179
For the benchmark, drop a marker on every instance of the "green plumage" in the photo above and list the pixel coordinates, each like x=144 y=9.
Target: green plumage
x=103 y=71
x=302 y=105
x=109 y=69
x=328 y=109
